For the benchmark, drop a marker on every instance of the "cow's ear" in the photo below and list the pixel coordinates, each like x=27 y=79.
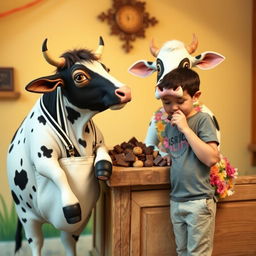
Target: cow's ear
x=44 y=84
x=142 y=68
x=208 y=60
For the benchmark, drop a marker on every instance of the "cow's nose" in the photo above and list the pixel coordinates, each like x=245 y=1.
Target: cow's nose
x=124 y=94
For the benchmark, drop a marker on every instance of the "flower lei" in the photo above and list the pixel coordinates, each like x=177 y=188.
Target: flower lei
x=222 y=174
x=222 y=178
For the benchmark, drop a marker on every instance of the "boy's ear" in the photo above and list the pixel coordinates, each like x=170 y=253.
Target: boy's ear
x=196 y=95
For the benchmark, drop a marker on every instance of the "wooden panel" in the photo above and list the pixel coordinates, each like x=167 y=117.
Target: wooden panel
x=135 y=229
x=125 y=223
x=235 y=233
x=98 y=227
x=139 y=176
x=116 y=225
x=242 y=193
x=157 y=237
x=252 y=146
x=150 y=224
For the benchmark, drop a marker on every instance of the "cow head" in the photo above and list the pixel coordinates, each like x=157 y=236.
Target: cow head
x=174 y=54
x=84 y=80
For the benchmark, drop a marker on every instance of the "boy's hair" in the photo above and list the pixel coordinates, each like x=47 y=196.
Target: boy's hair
x=187 y=78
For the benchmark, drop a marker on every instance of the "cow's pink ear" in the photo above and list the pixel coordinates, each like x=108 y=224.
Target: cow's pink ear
x=208 y=60
x=142 y=68
x=44 y=84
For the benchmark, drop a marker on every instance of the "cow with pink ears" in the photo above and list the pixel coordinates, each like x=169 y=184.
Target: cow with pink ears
x=171 y=55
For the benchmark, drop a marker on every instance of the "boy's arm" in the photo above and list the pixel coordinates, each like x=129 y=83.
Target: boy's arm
x=207 y=153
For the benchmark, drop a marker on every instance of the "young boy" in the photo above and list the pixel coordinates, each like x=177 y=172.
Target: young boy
x=193 y=147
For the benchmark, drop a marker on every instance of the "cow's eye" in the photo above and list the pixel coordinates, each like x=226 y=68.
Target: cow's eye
x=160 y=68
x=184 y=63
x=81 y=78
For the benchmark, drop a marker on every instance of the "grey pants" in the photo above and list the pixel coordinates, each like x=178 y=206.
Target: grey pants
x=193 y=226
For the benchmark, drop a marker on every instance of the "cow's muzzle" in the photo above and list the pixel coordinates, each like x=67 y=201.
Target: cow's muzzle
x=124 y=94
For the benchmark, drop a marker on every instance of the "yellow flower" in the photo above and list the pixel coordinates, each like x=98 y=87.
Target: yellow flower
x=160 y=126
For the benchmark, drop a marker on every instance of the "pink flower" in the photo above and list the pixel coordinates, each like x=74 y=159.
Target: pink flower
x=158 y=116
x=221 y=187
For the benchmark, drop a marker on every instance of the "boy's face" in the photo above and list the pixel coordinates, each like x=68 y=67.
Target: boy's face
x=184 y=103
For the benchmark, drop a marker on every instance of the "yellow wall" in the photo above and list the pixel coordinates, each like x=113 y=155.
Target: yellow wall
x=223 y=26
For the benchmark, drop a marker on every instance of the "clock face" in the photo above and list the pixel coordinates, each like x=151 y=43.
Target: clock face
x=129 y=19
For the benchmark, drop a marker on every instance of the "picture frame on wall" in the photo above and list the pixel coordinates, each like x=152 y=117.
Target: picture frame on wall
x=7 y=90
x=6 y=79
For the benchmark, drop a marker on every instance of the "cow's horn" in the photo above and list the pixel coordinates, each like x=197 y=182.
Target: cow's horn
x=153 y=48
x=193 y=45
x=99 y=50
x=57 y=63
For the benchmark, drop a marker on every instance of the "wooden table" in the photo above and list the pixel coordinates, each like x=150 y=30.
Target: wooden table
x=132 y=216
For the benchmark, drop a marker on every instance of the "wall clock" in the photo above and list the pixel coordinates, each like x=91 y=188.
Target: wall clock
x=128 y=20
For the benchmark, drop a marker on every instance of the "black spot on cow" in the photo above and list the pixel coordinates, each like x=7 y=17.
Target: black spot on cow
x=72 y=114
x=30 y=196
x=39 y=154
x=46 y=152
x=18 y=142
x=11 y=148
x=82 y=142
x=87 y=130
x=32 y=130
x=23 y=209
x=30 y=240
x=198 y=57
x=21 y=130
x=21 y=198
x=15 y=198
x=21 y=179
x=42 y=120
x=24 y=140
x=32 y=115
x=24 y=220
x=21 y=162
x=34 y=188
x=28 y=205
x=75 y=237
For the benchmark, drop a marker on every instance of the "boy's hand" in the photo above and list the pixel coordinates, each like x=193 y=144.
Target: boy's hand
x=179 y=119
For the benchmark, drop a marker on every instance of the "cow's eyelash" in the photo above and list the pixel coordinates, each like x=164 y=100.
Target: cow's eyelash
x=107 y=69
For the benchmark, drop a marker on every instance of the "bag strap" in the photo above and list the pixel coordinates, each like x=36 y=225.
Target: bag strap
x=58 y=129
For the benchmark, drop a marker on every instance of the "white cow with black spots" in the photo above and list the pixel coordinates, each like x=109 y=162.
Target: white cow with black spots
x=43 y=190
x=173 y=54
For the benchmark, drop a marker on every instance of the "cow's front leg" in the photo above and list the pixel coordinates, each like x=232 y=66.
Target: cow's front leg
x=103 y=164
x=50 y=168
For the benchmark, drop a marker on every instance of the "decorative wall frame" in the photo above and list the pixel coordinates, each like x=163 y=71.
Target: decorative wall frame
x=6 y=79
x=128 y=20
x=252 y=145
x=7 y=83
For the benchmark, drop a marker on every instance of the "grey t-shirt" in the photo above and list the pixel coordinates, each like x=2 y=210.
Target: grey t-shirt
x=190 y=178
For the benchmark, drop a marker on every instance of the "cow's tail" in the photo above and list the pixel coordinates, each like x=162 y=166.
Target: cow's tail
x=18 y=236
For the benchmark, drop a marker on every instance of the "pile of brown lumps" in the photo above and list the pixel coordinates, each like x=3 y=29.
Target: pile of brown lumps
x=135 y=154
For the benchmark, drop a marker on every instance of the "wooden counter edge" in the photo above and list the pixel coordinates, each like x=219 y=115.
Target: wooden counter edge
x=132 y=176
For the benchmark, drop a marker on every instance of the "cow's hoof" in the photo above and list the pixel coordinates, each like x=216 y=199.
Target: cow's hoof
x=72 y=213
x=103 y=175
x=103 y=170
